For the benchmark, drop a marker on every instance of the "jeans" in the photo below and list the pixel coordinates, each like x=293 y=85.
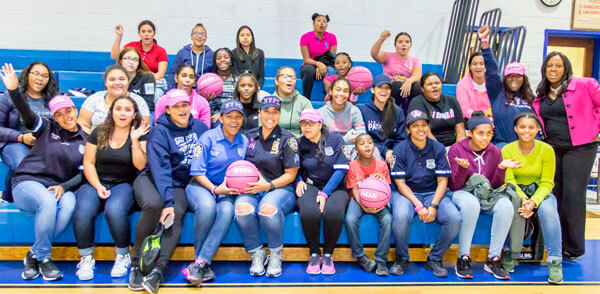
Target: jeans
x=160 y=89
x=51 y=216
x=550 y=223
x=384 y=218
x=116 y=210
x=404 y=211
x=12 y=154
x=469 y=207
x=212 y=219
x=308 y=74
x=247 y=218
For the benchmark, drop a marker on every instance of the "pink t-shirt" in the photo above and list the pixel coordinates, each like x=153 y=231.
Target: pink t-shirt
x=353 y=98
x=395 y=66
x=200 y=108
x=317 y=46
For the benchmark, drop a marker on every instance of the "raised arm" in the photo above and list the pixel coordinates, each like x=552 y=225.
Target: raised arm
x=11 y=82
x=116 y=47
x=376 y=52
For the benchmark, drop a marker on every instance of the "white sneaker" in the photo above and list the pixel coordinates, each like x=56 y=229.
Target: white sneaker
x=122 y=264
x=86 y=268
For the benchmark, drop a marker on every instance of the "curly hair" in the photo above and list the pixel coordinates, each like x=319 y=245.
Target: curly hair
x=51 y=88
x=106 y=129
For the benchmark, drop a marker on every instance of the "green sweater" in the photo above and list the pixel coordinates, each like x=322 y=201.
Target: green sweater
x=290 y=112
x=538 y=167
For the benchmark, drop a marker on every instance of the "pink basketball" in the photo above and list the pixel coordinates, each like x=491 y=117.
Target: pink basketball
x=374 y=193
x=240 y=173
x=359 y=77
x=209 y=83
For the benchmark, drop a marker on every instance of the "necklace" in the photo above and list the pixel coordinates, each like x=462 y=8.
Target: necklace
x=555 y=90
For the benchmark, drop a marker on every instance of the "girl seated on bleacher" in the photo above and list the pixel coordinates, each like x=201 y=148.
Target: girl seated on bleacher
x=343 y=63
x=318 y=48
x=223 y=60
x=471 y=91
x=340 y=116
x=246 y=91
x=141 y=80
x=38 y=85
x=197 y=54
x=43 y=181
x=247 y=57
x=95 y=108
x=292 y=102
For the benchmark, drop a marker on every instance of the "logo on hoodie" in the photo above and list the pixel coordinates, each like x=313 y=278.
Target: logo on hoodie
x=186 y=145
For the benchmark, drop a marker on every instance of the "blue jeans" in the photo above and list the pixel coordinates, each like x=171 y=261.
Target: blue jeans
x=212 y=219
x=51 y=216
x=550 y=223
x=12 y=155
x=502 y=214
x=384 y=218
x=403 y=212
x=247 y=220
x=116 y=210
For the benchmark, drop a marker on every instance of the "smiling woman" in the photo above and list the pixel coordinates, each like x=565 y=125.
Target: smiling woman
x=197 y=54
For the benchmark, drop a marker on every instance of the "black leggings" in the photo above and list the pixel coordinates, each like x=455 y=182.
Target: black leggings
x=573 y=167
x=152 y=205
x=333 y=218
x=415 y=90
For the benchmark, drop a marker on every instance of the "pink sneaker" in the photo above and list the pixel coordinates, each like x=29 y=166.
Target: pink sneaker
x=327 y=268
x=314 y=265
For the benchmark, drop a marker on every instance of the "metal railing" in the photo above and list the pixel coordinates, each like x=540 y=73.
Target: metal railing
x=510 y=45
x=490 y=18
x=458 y=40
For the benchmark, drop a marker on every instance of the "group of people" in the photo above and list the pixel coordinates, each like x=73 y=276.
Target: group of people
x=510 y=154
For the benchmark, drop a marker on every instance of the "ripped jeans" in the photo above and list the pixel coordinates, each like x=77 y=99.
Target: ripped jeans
x=272 y=221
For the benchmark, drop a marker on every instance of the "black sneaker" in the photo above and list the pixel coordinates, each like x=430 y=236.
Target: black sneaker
x=399 y=266
x=494 y=266
x=209 y=274
x=50 y=271
x=568 y=257
x=135 y=279
x=152 y=281
x=366 y=263
x=463 y=267
x=437 y=268
x=194 y=273
x=382 y=269
x=32 y=267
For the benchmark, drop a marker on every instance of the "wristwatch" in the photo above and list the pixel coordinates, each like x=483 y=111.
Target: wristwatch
x=433 y=205
x=272 y=186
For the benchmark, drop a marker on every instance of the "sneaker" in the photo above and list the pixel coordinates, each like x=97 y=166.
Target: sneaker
x=32 y=267
x=382 y=269
x=463 y=267
x=86 y=268
x=151 y=281
x=437 y=268
x=194 y=272
x=366 y=263
x=314 y=264
x=568 y=257
x=274 y=268
x=121 y=266
x=259 y=260
x=399 y=266
x=509 y=263
x=135 y=279
x=209 y=274
x=327 y=267
x=50 y=271
x=494 y=266
x=555 y=275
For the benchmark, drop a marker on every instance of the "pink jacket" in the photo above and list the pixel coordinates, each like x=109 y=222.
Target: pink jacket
x=469 y=98
x=199 y=108
x=582 y=102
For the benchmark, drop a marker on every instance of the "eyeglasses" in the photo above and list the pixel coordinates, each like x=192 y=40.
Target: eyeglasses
x=132 y=59
x=198 y=34
x=308 y=123
x=40 y=75
x=286 y=76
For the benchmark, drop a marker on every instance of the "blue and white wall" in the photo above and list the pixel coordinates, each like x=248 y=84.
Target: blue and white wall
x=278 y=24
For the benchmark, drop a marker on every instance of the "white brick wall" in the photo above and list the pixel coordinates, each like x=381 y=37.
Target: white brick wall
x=277 y=24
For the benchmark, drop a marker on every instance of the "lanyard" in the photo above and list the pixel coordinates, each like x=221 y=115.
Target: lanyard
x=192 y=58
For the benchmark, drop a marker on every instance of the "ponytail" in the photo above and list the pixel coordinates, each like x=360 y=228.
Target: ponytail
x=321 y=143
x=388 y=121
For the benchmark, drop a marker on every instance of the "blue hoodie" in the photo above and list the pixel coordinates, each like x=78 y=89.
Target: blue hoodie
x=372 y=117
x=202 y=63
x=170 y=153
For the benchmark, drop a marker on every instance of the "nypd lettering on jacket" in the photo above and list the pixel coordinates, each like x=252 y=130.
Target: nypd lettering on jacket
x=186 y=145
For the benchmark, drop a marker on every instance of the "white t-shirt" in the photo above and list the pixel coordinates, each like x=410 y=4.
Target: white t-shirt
x=95 y=104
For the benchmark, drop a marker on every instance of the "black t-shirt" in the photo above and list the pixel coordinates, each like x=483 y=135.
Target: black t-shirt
x=250 y=116
x=556 y=124
x=444 y=115
x=143 y=85
x=114 y=166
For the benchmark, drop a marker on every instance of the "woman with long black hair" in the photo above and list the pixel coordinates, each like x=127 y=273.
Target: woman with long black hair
x=246 y=56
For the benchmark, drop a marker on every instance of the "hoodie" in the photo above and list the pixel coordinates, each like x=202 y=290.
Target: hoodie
x=170 y=153
x=290 y=112
x=202 y=63
x=484 y=162
x=199 y=107
x=348 y=122
x=372 y=117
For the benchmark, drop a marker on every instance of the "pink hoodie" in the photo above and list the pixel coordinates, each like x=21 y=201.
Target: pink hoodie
x=199 y=107
x=469 y=98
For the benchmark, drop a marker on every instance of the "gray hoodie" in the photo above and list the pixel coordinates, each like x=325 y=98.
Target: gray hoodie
x=346 y=123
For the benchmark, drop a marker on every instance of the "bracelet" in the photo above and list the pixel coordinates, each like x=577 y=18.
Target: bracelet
x=272 y=186
x=20 y=138
x=212 y=191
x=419 y=207
x=485 y=39
x=321 y=193
x=433 y=205
x=139 y=146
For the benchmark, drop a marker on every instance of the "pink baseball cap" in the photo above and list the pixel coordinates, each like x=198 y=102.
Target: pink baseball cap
x=58 y=102
x=514 y=68
x=177 y=96
x=311 y=114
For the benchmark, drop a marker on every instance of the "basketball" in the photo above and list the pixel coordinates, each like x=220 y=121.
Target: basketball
x=359 y=77
x=374 y=193
x=209 y=83
x=240 y=173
